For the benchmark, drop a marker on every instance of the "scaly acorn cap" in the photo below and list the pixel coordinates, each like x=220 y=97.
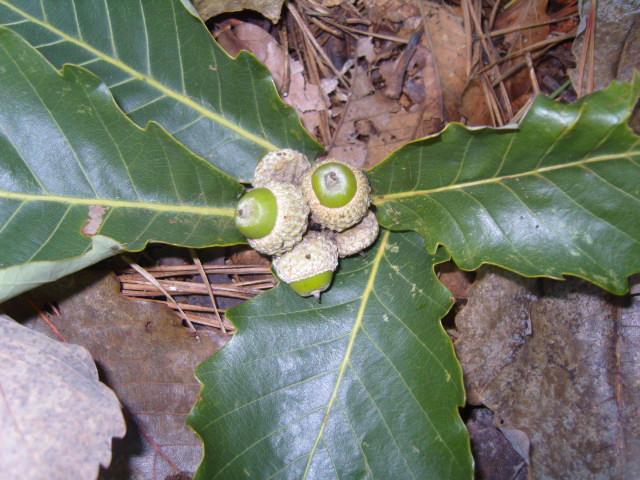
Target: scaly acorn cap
x=309 y=267
x=341 y=217
x=285 y=166
x=292 y=214
x=358 y=237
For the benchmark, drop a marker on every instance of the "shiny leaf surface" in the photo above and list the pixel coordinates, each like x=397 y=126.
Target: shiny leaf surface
x=364 y=384
x=79 y=181
x=558 y=195
x=162 y=65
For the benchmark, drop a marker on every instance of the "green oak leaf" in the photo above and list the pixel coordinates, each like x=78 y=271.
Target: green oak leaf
x=560 y=194
x=162 y=64
x=363 y=385
x=79 y=181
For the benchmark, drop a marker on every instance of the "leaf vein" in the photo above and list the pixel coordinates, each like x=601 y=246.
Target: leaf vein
x=51 y=234
x=239 y=455
x=384 y=421
x=586 y=210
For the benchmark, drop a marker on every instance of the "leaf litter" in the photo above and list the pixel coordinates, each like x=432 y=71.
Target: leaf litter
x=144 y=354
x=366 y=79
x=565 y=393
x=57 y=418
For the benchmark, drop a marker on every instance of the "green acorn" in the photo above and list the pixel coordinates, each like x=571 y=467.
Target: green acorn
x=273 y=217
x=338 y=194
x=285 y=166
x=309 y=267
x=358 y=237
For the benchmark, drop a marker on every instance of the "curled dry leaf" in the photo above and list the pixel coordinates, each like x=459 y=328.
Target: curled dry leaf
x=210 y=8
x=308 y=99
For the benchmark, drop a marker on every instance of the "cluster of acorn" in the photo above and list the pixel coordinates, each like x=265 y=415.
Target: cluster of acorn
x=274 y=216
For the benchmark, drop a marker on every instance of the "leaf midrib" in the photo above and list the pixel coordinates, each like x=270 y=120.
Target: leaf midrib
x=150 y=81
x=383 y=198
x=347 y=356
x=161 y=207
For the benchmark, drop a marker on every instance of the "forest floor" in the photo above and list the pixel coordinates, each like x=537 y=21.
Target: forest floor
x=367 y=77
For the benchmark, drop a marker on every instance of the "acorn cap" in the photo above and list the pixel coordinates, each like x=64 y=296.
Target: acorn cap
x=316 y=253
x=285 y=166
x=339 y=218
x=291 y=220
x=358 y=237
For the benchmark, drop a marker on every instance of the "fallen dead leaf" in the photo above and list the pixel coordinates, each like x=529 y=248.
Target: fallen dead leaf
x=56 y=418
x=495 y=458
x=521 y=14
x=375 y=125
x=146 y=356
x=395 y=11
x=308 y=99
x=457 y=281
x=573 y=386
x=446 y=31
x=493 y=326
x=210 y=8
x=617 y=42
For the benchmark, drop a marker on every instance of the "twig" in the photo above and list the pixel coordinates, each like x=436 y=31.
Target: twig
x=532 y=74
x=205 y=279
x=44 y=317
x=494 y=14
x=504 y=31
x=155 y=283
x=193 y=308
x=549 y=41
x=286 y=79
x=519 y=65
x=593 y=15
x=179 y=270
x=381 y=36
x=307 y=35
x=140 y=288
x=468 y=36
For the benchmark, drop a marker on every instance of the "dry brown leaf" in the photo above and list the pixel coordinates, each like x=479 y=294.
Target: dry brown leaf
x=395 y=11
x=495 y=458
x=210 y=8
x=617 y=42
x=493 y=326
x=446 y=29
x=473 y=105
x=56 y=418
x=574 y=386
x=457 y=281
x=384 y=123
x=308 y=99
x=375 y=125
x=520 y=14
x=146 y=356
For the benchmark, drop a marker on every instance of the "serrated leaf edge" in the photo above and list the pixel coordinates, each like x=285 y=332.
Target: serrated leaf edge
x=347 y=356
x=150 y=81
